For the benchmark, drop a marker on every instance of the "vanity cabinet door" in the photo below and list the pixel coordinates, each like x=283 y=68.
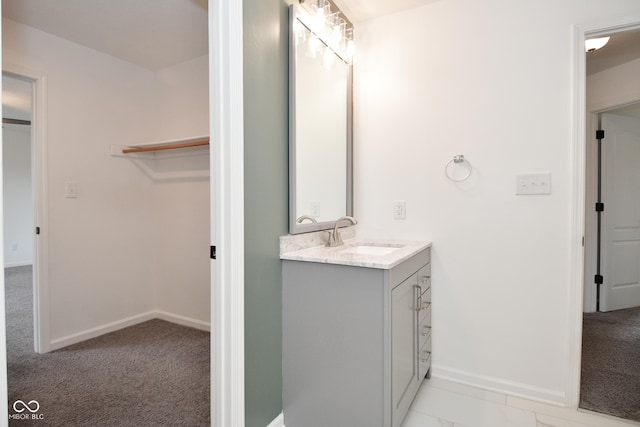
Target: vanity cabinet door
x=404 y=376
x=424 y=321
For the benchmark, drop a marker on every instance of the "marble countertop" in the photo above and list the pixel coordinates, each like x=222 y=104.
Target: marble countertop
x=347 y=254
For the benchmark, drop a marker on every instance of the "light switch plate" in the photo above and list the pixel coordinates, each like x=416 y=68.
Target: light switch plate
x=533 y=183
x=70 y=190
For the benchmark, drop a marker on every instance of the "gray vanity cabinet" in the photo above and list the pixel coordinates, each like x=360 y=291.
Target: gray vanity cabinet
x=356 y=342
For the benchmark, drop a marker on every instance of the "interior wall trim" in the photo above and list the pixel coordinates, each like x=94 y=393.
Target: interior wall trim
x=499 y=385
x=226 y=124
x=39 y=180
x=183 y=320
x=126 y=322
x=100 y=330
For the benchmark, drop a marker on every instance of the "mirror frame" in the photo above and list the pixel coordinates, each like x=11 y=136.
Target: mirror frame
x=298 y=13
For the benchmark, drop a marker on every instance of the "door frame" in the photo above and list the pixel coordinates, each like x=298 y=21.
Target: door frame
x=41 y=334
x=227 y=223
x=579 y=191
x=590 y=232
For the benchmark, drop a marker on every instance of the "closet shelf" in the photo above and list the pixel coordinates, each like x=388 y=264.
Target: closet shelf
x=168 y=160
x=166 y=146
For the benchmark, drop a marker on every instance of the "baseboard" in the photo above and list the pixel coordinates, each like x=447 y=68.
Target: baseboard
x=278 y=421
x=499 y=385
x=17 y=264
x=100 y=330
x=123 y=323
x=183 y=320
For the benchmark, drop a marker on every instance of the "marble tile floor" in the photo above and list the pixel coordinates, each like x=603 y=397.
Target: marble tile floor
x=441 y=403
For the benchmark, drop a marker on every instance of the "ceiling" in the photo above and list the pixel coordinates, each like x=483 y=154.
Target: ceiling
x=159 y=33
x=363 y=10
x=622 y=47
x=155 y=34
x=151 y=33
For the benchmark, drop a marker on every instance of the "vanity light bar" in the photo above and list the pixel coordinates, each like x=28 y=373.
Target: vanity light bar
x=332 y=25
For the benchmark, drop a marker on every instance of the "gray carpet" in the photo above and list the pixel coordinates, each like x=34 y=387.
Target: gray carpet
x=152 y=374
x=610 y=381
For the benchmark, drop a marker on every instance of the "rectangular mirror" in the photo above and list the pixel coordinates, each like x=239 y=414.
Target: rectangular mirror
x=320 y=116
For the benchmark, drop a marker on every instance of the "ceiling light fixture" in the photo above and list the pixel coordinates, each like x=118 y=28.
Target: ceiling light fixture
x=592 y=45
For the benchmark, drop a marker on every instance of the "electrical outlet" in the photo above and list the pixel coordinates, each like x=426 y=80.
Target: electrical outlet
x=533 y=183
x=399 y=209
x=315 y=208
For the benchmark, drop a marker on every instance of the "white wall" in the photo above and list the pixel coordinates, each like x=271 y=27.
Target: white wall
x=491 y=80
x=122 y=249
x=182 y=206
x=614 y=87
x=607 y=89
x=100 y=252
x=18 y=203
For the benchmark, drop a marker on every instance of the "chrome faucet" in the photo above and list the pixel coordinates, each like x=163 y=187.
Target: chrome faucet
x=303 y=217
x=334 y=238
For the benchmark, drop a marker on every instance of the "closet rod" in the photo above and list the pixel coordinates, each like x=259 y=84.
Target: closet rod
x=166 y=147
x=6 y=120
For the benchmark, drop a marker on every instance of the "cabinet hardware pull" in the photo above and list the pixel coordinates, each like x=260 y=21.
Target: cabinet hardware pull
x=424 y=279
x=427 y=331
x=419 y=305
x=424 y=305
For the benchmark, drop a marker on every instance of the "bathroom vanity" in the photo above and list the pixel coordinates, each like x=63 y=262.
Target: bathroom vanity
x=356 y=332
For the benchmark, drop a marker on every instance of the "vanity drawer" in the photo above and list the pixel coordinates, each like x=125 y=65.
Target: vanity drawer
x=424 y=276
x=426 y=294
x=424 y=320
x=424 y=334
x=424 y=358
x=424 y=304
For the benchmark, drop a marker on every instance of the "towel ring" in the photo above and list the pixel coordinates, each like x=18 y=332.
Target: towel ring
x=459 y=158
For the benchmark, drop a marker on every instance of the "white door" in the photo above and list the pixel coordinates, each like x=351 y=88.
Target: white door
x=620 y=248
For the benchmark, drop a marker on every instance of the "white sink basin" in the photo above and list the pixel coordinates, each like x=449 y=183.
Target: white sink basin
x=371 y=249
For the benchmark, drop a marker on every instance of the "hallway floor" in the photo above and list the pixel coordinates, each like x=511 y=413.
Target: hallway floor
x=610 y=380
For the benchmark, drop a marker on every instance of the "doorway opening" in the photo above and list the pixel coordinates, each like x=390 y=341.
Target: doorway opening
x=611 y=287
x=121 y=240
x=24 y=201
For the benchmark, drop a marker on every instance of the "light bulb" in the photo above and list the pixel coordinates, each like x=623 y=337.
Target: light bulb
x=328 y=58
x=350 y=49
x=313 y=46
x=337 y=32
x=324 y=8
x=592 y=45
x=298 y=31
